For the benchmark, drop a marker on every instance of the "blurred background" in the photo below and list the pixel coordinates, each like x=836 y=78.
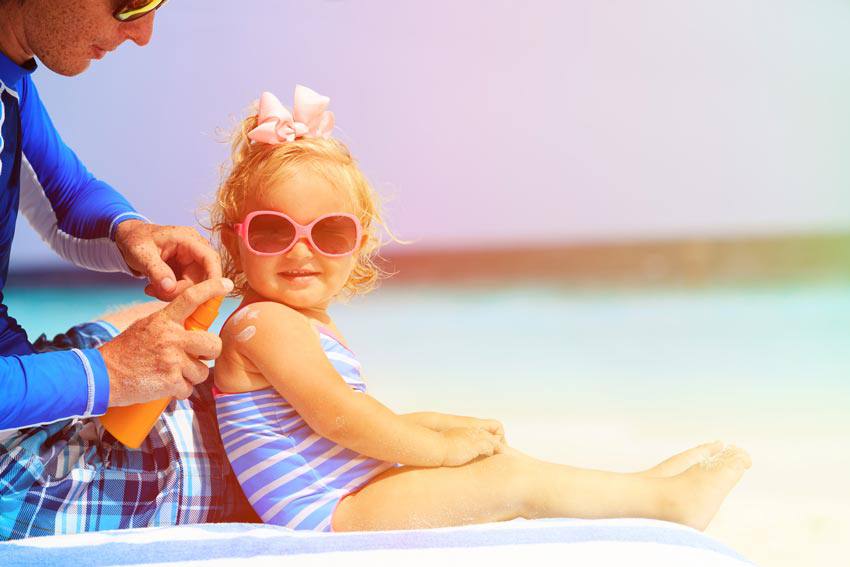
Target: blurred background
x=630 y=220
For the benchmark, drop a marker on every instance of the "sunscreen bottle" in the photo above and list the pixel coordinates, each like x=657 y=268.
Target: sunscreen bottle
x=131 y=424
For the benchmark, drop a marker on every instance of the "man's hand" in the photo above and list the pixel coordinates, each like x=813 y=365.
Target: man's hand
x=156 y=357
x=173 y=258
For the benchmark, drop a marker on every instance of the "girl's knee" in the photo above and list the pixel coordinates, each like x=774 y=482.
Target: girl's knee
x=516 y=476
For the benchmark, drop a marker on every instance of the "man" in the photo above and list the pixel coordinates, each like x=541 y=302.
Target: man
x=59 y=471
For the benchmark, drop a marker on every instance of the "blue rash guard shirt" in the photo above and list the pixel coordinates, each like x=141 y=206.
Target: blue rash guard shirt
x=76 y=214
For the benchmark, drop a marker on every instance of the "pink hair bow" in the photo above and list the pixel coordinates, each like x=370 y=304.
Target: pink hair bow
x=308 y=119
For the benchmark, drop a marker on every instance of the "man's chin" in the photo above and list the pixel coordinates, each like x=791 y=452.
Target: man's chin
x=67 y=68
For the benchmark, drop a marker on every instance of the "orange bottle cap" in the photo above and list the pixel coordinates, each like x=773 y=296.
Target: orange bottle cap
x=206 y=314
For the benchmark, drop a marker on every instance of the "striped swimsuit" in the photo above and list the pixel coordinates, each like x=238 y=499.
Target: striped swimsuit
x=292 y=476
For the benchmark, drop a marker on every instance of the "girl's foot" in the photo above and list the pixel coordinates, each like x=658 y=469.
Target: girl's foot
x=677 y=464
x=701 y=489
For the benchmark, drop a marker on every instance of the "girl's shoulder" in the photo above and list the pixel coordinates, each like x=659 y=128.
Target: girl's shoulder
x=266 y=318
x=267 y=343
x=259 y=335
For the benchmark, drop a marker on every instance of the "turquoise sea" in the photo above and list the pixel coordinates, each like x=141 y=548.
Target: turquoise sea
x=549 y=349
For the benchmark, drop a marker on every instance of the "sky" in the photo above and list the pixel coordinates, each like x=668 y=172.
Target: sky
x=492 y=122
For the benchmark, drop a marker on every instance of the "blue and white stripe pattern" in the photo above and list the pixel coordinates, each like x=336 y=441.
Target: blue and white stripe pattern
x=292 y=476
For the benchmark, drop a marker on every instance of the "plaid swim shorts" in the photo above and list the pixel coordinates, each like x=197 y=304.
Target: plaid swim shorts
x=72 y=476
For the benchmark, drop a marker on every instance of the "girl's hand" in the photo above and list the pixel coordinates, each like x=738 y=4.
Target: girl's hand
x=492 y=425
x=464 y=444
x=442 y=421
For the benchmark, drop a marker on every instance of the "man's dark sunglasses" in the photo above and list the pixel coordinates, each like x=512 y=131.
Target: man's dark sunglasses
x=135 y=9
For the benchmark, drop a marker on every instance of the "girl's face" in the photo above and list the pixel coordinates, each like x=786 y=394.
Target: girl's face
x=302 y=278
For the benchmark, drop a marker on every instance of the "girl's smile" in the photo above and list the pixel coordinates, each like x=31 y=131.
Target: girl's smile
x=300 y=278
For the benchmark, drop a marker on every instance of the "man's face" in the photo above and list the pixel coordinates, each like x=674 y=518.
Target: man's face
x=66 y=35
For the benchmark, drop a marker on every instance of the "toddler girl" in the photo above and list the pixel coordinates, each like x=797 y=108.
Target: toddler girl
x=298 y=225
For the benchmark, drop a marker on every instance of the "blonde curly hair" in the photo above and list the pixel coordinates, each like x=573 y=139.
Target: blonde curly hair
x=254 y=167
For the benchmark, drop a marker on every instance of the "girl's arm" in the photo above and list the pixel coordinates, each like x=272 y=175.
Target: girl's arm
x=285 y=349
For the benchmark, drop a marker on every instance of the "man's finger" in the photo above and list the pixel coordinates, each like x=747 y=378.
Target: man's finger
x=161 y=276
x=155 y=292
x=204 y=255
x=182 y=285
x=188 y=302
x=184 y=390
x=195 y=371
x=192 y=257
x=203 y=345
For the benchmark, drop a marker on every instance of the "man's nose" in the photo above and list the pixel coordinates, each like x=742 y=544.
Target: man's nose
x=140 y=31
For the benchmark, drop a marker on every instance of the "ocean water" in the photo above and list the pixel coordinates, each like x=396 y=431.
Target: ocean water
x=540 y=349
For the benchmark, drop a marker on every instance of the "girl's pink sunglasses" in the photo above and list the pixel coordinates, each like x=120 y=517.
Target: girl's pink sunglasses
x=270 y=233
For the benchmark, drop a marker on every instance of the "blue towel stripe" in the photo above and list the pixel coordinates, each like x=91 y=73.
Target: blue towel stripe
x=255 y=540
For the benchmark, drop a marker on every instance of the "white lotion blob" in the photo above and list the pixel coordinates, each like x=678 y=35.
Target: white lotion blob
x=245 y=334
x=247 y=313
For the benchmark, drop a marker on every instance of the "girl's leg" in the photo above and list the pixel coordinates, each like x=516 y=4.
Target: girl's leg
x=126 y=315
x=680 y=462
x=512 y=485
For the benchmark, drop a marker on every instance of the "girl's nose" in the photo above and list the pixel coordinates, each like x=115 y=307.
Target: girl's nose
x=301 y=249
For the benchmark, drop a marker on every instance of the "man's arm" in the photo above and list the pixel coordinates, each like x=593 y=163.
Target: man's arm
x=74 y=212
x=43 y=388
x=155 y=358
